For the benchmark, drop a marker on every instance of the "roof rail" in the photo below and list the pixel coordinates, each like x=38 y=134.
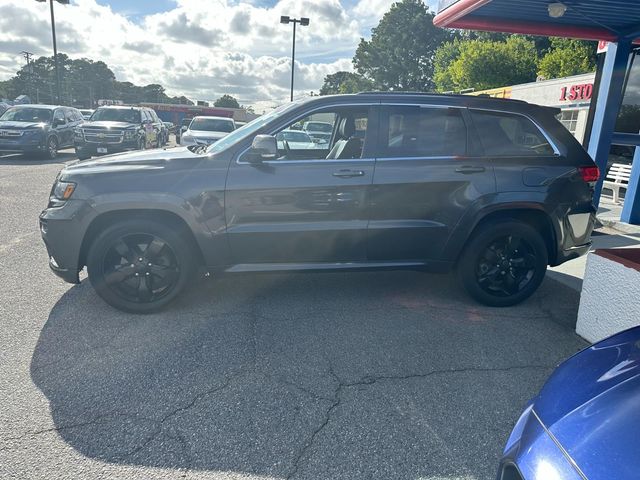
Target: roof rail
x=484 y=96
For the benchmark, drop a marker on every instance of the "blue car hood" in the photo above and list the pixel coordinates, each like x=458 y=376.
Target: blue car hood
x=591 y=405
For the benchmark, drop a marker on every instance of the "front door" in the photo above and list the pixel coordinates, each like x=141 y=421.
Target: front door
x=310 y=204
x=62 y=128
x=425 y=180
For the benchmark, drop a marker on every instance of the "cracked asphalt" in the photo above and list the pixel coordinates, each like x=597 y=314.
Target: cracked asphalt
x=385 y=375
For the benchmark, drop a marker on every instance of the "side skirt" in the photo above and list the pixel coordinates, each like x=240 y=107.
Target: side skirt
x=436 y=267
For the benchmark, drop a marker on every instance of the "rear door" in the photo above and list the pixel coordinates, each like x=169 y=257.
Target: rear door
x=427 y=176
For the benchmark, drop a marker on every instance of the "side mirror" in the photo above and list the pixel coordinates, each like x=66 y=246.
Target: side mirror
x=263 y=147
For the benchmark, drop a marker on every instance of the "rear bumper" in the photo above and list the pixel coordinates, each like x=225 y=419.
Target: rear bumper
x=571 y=253
x=573 y=232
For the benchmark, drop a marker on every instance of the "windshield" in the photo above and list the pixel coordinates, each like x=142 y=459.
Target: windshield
x=211 y=125
x=18 y=114
x=290 y=136
x=249 y=129
x=116 y=115
x=318 y=127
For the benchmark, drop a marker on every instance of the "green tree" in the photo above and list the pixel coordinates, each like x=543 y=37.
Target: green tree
x=345 y=82
x=226 y=101
x=482 y=64
x=401 y=51
x=568 y=57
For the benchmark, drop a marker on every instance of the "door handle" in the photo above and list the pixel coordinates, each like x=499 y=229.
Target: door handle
x=348 y=173
x=466 y=169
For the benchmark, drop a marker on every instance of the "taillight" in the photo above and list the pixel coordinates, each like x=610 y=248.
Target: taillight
x=589 y=174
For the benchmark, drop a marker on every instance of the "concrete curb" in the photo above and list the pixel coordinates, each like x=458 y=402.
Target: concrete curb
x=619 y=226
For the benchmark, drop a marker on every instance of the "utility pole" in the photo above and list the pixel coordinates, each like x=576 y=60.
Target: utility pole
x=303 y=22
x=27 y=56
x=55 y=47
x=55 y=52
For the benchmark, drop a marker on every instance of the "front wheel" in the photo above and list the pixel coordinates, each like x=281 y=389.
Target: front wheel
x=140 y=266
x=51 y=151
x=82 y=155
x=503 y=263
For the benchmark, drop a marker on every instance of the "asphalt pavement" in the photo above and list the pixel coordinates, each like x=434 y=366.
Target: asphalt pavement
x=385 y=375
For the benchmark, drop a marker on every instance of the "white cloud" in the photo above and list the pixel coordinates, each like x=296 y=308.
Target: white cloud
x=200 y=48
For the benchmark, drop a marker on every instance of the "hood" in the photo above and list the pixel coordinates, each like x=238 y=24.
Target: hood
x=108 y=124
x=207 y=134
x=22 y=125
x=591 y=404
x=158 y=159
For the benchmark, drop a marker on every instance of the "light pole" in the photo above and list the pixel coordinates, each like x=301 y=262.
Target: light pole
x=303 y=22
x=55 y=48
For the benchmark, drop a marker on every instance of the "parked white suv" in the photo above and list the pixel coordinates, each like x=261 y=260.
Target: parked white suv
x=206 y=130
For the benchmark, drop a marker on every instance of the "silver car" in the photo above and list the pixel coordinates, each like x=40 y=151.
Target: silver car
x=206 y=130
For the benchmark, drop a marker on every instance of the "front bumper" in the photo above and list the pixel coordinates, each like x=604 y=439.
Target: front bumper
x=97 y=149
x=15 y=147
x=62 y=230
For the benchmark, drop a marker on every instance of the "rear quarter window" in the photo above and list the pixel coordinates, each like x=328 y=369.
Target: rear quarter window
x=506 y=134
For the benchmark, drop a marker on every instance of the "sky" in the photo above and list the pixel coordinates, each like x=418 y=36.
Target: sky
x=198 y=48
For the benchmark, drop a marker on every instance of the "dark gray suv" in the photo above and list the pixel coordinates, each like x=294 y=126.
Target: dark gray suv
x=497 y=189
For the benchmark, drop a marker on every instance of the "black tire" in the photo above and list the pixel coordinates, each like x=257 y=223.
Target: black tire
x=140 y=266
x=82 y=155
x=51 y=151
x=503 y=263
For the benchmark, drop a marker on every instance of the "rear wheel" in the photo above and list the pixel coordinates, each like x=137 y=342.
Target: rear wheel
x=503 y=263
x=140 y=266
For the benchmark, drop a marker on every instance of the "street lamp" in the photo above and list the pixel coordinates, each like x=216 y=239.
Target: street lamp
x=55 y=48
x=303 y=22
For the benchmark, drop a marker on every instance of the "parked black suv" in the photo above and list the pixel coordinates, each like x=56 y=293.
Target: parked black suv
x=118 y=129
x=498 y=189
x=38 y=129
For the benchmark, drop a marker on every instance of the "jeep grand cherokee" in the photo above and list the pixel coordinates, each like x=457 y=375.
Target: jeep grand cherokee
x=495 y=189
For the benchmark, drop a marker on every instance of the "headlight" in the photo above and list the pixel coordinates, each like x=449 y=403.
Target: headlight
x=130 y=134
x=32 y=131
x=60 y=193
x=77 y=132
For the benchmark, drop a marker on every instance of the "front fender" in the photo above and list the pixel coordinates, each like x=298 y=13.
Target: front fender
x=213 y=245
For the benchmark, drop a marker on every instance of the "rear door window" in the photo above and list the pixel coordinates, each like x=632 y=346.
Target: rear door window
x=417 y=131
x=507 y=134
x=68 y=113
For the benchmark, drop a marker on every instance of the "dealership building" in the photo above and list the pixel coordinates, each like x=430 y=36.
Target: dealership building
x=570 y=94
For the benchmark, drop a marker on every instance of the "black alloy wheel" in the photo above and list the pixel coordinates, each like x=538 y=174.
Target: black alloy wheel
x=140 y=266
x=506 y=266
x=503 y=263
